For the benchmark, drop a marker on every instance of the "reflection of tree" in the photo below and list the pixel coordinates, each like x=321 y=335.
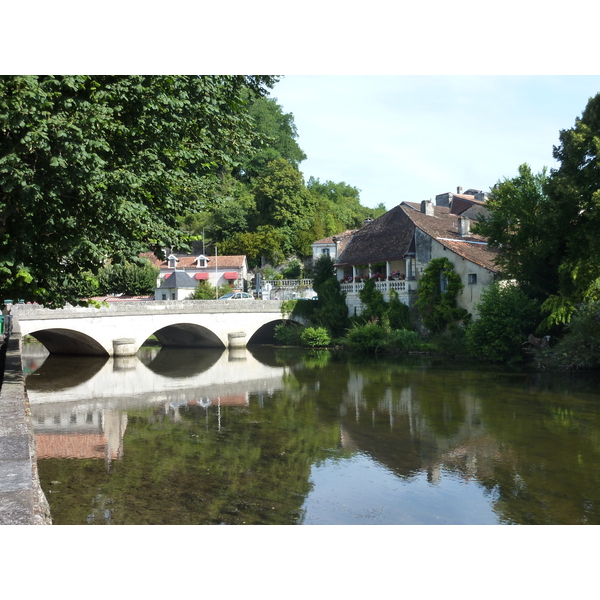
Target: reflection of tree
x=554 y=439
x=221 y=465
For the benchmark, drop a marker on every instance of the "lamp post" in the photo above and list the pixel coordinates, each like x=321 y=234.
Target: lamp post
x=216 y=276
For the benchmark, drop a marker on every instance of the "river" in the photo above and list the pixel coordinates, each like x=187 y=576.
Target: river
x=280 y=436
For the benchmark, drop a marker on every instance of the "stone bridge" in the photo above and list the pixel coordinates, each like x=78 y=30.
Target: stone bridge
x=121 y=328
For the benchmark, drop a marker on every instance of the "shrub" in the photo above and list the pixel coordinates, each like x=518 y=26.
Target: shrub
x=506 y=317
x=397 y=312
x=402 y=341
x=206 y=291
x=437 y=306
x=373 y=300
x=366 y=338
x=580 y=347
x=315 y=337
x=288 y=334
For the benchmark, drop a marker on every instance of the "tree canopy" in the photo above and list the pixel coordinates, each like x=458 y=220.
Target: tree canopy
x=101 y=167
x=546 y=227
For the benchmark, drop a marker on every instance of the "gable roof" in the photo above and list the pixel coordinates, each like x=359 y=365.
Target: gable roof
x=188 y=261
x=388 y=237
x=443 y=227
x=178 y=279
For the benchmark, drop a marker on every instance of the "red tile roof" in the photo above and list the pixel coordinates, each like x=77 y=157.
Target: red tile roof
x=188 y=261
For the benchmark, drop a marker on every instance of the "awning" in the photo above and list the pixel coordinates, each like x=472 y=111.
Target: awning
x=231 y=275
x=167 y=275
x=201 y=276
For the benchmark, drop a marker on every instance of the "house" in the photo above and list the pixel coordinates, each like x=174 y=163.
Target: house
x=331 y=246
x=218 y=270
x=396 y=248
x=176 y=286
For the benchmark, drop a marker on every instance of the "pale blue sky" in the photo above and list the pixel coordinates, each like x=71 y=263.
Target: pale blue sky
x=408 y=138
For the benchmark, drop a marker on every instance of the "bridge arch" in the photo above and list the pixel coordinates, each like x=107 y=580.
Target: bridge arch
x=187 y=335
x=68 y=341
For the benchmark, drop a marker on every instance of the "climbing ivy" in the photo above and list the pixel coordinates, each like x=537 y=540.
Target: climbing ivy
x=436 y=303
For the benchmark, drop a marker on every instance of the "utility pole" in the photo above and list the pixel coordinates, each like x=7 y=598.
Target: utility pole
x=216 y=276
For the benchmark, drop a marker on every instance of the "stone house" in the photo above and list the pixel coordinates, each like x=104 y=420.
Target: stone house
x=218 y=270
x=176 y=286
x=332 y=246
x=396 y=248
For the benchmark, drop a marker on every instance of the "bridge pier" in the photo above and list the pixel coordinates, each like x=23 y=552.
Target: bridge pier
x=236 y=339
x=124 y=347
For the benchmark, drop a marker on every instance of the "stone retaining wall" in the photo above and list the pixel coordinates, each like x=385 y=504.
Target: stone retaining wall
x=22 y=501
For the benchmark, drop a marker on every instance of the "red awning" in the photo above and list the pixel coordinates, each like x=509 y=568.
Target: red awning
x=230 y=275
x=167 y=275
x=201 y=276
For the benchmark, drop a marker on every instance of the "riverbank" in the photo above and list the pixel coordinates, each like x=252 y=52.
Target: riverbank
x=22 y=501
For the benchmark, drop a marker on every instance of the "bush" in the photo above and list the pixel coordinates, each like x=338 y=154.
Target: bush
x=506 y=317
x=206 y=291
x=315 y=337
x=288 y=334
x=373 y=300
x=402 y=341
x=437 y=307
x=398 y=313
x=580 y=347
x=368 y=338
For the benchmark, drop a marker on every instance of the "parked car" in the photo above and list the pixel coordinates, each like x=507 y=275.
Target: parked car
x=237 y=296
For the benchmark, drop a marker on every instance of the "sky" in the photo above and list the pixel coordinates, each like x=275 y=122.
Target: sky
x=409 y=137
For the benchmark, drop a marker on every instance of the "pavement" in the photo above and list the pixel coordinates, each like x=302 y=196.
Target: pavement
x=22 y=501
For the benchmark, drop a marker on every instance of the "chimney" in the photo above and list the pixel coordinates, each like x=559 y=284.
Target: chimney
x=459 y=190
x=427 y=208
x=481 y=197
x=443 y=199
x=464 y=226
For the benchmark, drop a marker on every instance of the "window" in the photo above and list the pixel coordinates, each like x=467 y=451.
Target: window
x=172 y=261
x=443 y=282
x=472 y=278
x=325 y=251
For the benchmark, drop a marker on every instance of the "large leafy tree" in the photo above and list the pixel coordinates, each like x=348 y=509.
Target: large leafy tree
x=97 y=168
x=520 y=224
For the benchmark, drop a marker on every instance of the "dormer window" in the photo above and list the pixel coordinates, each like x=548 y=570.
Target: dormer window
x=202 y=261
x=172 y=261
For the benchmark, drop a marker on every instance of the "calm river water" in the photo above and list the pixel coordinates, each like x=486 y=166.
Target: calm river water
x=279 y=436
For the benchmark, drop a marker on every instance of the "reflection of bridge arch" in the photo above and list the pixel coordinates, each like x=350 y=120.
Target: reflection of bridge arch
x=121 y=328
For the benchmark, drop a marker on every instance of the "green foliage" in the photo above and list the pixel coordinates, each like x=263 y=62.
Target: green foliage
x=323 y=270
x=438 y=308
x=288 y=306
x=506 y=317
x=372 y=298
x=315 y=337
x=100 y=167
x=331 y=311
x=398 y=313
x=293 y=270
x=374 y=338
x=288 y=334
x=520 y=226
x=131 y=279
x=369 y=338
x=206 y=291
x=304 y=308
x=580 y=347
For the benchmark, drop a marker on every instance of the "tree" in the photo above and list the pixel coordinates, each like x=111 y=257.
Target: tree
x=131 y=279
x=574 y=191
x=436 y=296
x=98 y=168
x=520 y=224
x=372 y=298
x=278 y=138
x=506 y=316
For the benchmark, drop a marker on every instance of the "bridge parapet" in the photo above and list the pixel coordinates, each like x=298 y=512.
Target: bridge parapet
x=174 y=307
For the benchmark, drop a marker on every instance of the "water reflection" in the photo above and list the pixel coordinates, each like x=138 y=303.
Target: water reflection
x=279 y=436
